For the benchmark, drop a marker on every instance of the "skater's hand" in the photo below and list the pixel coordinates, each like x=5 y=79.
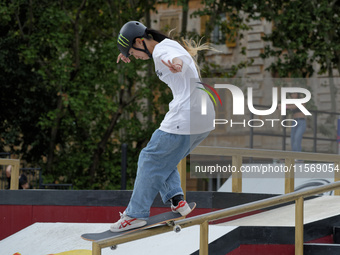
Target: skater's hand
x=175 y=66
x=123 y=58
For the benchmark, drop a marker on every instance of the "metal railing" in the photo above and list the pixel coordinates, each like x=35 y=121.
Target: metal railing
x=238 y=154
x=284 y=135
x=15 y=163
x=34 y=176
x=204 y=219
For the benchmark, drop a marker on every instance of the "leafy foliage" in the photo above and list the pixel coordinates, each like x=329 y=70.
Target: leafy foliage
x=305 y=33
x=68 y=105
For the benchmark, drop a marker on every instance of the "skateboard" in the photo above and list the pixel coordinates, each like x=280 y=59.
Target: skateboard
x=167 y=218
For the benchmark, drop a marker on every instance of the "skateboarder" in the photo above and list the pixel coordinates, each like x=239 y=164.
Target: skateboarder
x=182 y=129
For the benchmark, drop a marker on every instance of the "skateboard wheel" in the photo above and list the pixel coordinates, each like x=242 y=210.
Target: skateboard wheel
x=113 y=247
x=177 y=229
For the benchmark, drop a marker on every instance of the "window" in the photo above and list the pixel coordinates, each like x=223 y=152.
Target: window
x=169 y=23
x=221 y=33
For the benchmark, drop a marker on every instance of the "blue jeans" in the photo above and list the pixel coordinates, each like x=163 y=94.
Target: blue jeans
x=297 y=133
x=157 y=170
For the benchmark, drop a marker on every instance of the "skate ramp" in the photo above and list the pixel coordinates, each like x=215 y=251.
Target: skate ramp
x=314 y=210
x=64 y=239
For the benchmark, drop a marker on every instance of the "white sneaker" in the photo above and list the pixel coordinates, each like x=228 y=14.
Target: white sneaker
x=183 y=208
x=125 y=223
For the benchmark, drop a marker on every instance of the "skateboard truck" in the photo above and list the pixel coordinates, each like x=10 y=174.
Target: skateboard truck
x=177 y=228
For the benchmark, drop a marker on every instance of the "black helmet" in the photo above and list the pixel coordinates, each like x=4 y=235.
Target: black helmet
x=127 y=34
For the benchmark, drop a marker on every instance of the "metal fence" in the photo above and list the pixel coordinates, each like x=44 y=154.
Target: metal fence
x=316 y=119
x=32 y=176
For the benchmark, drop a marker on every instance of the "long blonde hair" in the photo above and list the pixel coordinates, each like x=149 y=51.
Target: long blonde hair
x=190 y=45
x=193 y=47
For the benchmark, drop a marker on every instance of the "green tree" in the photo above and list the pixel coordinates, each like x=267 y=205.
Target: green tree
x=304 y=32
x=325 y=38
x=88 y=105
x=289 y=38
x=67 y=105
x=24 y=95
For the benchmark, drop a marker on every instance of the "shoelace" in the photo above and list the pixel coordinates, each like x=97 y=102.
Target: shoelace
x=121 y=215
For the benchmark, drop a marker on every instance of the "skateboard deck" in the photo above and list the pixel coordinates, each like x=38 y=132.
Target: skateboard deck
x=160 y=219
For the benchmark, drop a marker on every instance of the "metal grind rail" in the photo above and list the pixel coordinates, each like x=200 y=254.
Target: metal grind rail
x=204 y=219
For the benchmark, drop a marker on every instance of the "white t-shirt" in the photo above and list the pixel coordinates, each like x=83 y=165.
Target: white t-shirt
x=185 y=110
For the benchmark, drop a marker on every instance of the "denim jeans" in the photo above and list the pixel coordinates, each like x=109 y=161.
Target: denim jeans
x=297 y=133
x=157 y=170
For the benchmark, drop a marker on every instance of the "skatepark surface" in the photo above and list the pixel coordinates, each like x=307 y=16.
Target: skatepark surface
x=314 y=209
x=64 y=239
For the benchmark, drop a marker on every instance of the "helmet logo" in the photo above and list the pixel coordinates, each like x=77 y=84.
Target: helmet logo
x=123 y=41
